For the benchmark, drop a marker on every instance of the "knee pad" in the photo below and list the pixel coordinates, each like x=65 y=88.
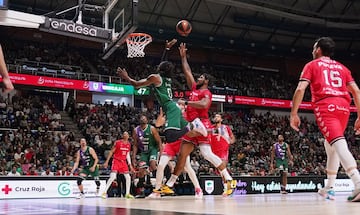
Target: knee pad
x=79 y=181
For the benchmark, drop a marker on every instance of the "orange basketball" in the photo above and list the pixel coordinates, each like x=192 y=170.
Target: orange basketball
x=183 y=27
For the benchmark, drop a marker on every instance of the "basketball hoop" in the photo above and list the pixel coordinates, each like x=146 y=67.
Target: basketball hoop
x=136 y=43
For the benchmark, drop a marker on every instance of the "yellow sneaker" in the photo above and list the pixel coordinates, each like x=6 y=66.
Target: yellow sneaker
x=164 y=190
x=231 y=185
x=129 y=196
x=104 y=195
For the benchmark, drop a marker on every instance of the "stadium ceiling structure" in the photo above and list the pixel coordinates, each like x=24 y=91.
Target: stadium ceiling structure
x=285 y=27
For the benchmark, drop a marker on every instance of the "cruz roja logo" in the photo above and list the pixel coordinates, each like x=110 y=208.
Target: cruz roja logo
x=64 y=189
x=6 y=189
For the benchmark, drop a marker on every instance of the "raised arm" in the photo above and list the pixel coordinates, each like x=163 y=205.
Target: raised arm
x=151 y=79
x=168 y=46
x=185 y=66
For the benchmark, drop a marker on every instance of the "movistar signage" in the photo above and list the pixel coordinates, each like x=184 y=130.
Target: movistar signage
x=70 y=28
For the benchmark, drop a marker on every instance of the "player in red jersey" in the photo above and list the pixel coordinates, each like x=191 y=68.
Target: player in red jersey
x=120 y=163
x=170 y=150
x=197 y=107
x=330 y=83
x=221 y=138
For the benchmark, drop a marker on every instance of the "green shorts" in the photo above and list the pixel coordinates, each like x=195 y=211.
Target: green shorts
x=86 y=171
x=174 y=117
x=151 y=154
x=282 y=165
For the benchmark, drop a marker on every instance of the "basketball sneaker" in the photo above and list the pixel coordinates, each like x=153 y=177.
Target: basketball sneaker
x=327 y=193
x=129 y=196
x=154 y=195
x=104 y=195
x=199 y=127
x=164 y=190
x=283 y=192
x=355 y=196
x=80 y=196
x=229 y=190
x=198 y=193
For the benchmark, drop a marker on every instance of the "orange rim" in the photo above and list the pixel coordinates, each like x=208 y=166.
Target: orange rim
x=147 y=36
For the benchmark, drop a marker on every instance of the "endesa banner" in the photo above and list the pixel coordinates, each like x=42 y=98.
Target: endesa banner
x=44 y=81
x=13 y=189
x=213 y=185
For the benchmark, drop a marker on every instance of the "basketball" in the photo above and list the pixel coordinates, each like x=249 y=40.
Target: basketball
x=183 y=27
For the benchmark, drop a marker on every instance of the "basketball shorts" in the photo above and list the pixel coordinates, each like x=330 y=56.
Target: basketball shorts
x=174 y=117
x=282 y=165
x=119 y=166
x=332 y=116
x=200 y=139
x=86 y=171
x=172 y=149
x=219 y=148
x=151 y=154
x=222 y=154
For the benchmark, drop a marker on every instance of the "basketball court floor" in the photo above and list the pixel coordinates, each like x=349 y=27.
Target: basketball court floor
x=263 y=204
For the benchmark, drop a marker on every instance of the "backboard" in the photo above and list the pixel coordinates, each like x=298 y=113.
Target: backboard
x=121 y=17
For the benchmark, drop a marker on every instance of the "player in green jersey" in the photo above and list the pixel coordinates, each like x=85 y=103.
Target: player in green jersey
x=87 y=158
x=176 y=126
x=146 y=140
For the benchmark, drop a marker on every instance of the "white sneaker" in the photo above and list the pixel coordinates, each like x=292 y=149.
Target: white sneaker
x=327 y=193
x=80 y=196
x=154 y=196
x=199 y=127
x=198 y=193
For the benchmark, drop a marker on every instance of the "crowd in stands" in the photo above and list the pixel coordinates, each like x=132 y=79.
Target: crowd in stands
x=33 y=144
x=241 y=80
x=34 y=141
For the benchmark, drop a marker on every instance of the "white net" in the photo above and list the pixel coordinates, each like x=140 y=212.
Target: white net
x=136 y=43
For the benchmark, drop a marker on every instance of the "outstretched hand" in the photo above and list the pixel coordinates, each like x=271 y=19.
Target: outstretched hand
x=123 y=73
x=8 y=86
x=295 y=122
x=182 y=49
x=170 y=43
x=357 y=126
x=160 y=121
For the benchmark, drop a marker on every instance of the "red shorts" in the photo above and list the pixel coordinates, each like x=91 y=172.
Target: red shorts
x=332 y=116
x=119 y=166
x=172 y=149
x=219 y=147
x=222 y=154
x=200 y=139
